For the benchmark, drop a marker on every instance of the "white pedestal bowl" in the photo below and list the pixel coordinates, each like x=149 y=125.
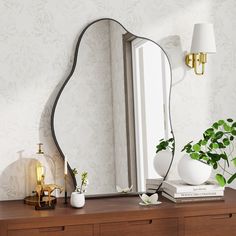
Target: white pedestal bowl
x=192 y=171
x=162 y=162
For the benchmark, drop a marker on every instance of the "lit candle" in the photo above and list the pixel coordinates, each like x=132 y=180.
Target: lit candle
x=65 y=166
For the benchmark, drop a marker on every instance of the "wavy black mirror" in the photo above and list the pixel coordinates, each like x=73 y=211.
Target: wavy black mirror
x=113 y=108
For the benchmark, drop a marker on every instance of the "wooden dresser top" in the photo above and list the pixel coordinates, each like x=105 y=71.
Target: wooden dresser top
x=116 y=208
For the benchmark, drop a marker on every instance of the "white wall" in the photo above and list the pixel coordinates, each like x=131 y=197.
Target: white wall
x=37 y=39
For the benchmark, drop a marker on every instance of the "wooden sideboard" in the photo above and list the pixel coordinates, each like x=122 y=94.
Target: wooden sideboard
x=121 y=216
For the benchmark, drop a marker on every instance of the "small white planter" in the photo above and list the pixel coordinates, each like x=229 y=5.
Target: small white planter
x=192 y=171
x=162 y=162
x=77 y=199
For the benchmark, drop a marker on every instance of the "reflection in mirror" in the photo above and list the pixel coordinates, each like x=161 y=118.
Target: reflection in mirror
x=114 y=108
x=151 y=79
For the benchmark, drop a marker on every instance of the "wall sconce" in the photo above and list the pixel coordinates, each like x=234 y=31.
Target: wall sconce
x=203 y=42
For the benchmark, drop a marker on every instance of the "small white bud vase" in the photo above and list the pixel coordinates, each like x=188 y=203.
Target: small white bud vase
x=192 y=171
x=162 y=162
x=77 y=199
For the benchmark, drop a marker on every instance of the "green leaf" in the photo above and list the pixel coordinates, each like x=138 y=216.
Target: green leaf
x=171 y=140
x=221 y=122
x=214 y=156
x=164 y=144
x=225 y=157
x=205 y=158
x=219 y=135
x=215 y=166
x=196 y=147
x=230 y=120
x=234 y=161
x=234 y=125
x=189 y=150
x=215 y=125
x=221 y=145
x=231 y=179
x=220 y=179
x=233 y=132
x=74 y=171
x=231 y=138
x=187 y=146
x=227 y=127
x=194 y=156
x=206 y=137
x=204 y=142
x=200 y=142
x=226 y=141
x=215 y=145
x=209 y=132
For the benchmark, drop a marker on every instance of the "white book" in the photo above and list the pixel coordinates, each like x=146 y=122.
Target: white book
x=178 y=186
x=207 y=193
x=154 y=181
x=197 y=199
x=152 y=185
x=151 y=191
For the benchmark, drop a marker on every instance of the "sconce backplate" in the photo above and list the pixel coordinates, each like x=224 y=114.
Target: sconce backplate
x=189 y=60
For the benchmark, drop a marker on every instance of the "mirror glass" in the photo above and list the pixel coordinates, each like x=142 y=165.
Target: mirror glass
x=114 y=108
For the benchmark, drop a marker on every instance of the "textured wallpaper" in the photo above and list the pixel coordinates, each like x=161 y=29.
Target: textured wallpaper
x=37 y=39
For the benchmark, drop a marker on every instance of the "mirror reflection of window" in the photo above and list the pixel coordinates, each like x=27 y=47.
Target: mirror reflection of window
x=151 y=99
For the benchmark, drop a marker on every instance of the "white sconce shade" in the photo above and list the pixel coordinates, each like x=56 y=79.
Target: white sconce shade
x=203 y=40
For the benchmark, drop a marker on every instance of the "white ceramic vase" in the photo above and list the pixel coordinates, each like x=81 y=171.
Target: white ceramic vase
x=77 y=199
x=162 y=162
x=192 y=171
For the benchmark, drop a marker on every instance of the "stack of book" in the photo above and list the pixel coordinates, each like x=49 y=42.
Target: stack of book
x=153 y=184
x=179 y=192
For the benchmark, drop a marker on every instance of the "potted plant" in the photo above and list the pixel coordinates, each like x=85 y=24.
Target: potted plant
x=216 y=149
x=77 y=198
x=164 y=153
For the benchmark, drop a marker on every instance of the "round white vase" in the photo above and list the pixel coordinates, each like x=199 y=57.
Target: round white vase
x=77 y=199
x=192 y=171
x=162 y=162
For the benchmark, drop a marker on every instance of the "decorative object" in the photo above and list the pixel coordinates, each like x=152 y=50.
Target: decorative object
x=40 y=189
x=163 y=156
x=77 y=198
x=121 y=115
x=162 y=162
x=149 y=200
x=153 y=184
x=180 y=192
x=216 y=149
x=192 y=199
x=38 y=174
x=40 y=168
x=124 y=190
x=65 y=179
x=203 y=42
x=193 y=172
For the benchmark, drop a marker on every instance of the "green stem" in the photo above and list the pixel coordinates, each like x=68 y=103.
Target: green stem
x=224 y=169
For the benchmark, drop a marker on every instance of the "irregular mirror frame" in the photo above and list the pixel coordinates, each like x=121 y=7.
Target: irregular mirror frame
x=113 y=108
